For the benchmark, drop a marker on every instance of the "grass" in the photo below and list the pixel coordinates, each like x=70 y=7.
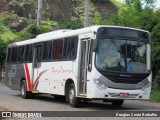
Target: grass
x=1 y=81
x=155 y=96
x=49 y=22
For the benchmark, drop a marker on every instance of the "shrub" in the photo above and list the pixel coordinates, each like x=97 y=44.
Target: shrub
x=6 y=18
x=156 y=82
x=69 y=25
x=9 y=36
x=35 y=30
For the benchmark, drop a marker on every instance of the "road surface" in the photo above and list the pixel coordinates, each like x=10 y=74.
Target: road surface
x=10 y=100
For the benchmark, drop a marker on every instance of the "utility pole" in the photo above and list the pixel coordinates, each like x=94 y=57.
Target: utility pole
x=86 y=18
x=39 y=11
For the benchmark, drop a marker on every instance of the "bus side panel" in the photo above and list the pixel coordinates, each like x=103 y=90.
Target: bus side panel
x=14 y=73
x=53 y=75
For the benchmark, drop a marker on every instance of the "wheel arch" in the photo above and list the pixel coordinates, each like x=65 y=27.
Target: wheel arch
x=67 y=83
x=23 y=78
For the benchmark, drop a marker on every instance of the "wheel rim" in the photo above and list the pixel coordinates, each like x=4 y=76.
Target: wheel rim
x=71 y=96
x=22 y=90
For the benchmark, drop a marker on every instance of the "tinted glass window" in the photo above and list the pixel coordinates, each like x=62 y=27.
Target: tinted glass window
x=9 y=55
x=70 y=48
x=28 y=53
x=65 y=49
x=54 y=50
x=57 y=49
x=21 y=53
x=47 y=46
x=14 y=54
x=73 y=48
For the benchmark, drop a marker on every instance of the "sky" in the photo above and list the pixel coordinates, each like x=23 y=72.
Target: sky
x=157 y=3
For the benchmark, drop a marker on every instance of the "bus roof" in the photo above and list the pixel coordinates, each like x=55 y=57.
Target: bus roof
x=65 y=33
x=56 y=32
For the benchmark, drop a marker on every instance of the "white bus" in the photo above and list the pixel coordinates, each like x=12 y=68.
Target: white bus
x=109 y=63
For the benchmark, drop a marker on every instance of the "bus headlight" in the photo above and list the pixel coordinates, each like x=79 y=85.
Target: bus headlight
x=146 y=87
x=100 y=84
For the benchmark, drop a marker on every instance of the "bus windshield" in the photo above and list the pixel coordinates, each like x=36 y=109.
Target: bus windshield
x=121 y=56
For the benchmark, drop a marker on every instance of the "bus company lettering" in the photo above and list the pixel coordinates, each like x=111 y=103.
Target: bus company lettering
x=61 y=70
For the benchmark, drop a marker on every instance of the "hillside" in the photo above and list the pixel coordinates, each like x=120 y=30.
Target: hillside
x=59 y=10
x=3 y=6
x=18 y=18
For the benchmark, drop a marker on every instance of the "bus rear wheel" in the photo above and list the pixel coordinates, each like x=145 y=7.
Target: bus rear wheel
x=24 y=93
x=73 y=101
x=117 y=102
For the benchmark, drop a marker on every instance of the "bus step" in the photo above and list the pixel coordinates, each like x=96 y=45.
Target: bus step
x=35 y=91
x=82 y=96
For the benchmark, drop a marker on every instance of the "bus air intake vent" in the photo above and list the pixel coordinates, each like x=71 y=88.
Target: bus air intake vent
x=125 y=80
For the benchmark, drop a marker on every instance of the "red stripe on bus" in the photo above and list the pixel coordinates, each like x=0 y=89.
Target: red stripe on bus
x=39 y=77
x=28 y=77
x=36 y=82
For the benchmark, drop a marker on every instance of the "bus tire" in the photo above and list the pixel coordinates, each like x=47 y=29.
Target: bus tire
x=117 y=102
x=24 y=93
x=73 y=101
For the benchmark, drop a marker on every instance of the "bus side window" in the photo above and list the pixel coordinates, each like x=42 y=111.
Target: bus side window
x=54 y=50
x=73 y=48
x=21 y=54
x=73 y=42
x=9 y=55
x=59 y=49
x=14 y=54
x=70 y=48
x=66 y=48
x=28 y=53
x=47 y=47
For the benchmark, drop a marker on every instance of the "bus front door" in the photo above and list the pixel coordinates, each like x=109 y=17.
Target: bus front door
x=83 y=66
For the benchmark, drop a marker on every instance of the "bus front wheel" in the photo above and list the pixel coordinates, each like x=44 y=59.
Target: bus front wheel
x=73 y=101
x=24 y=93
x=117 y=102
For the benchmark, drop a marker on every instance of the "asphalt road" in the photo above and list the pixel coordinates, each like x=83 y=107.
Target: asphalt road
x=10 y=100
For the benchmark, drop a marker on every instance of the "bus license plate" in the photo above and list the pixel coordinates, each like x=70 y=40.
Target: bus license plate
x=124 y=94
